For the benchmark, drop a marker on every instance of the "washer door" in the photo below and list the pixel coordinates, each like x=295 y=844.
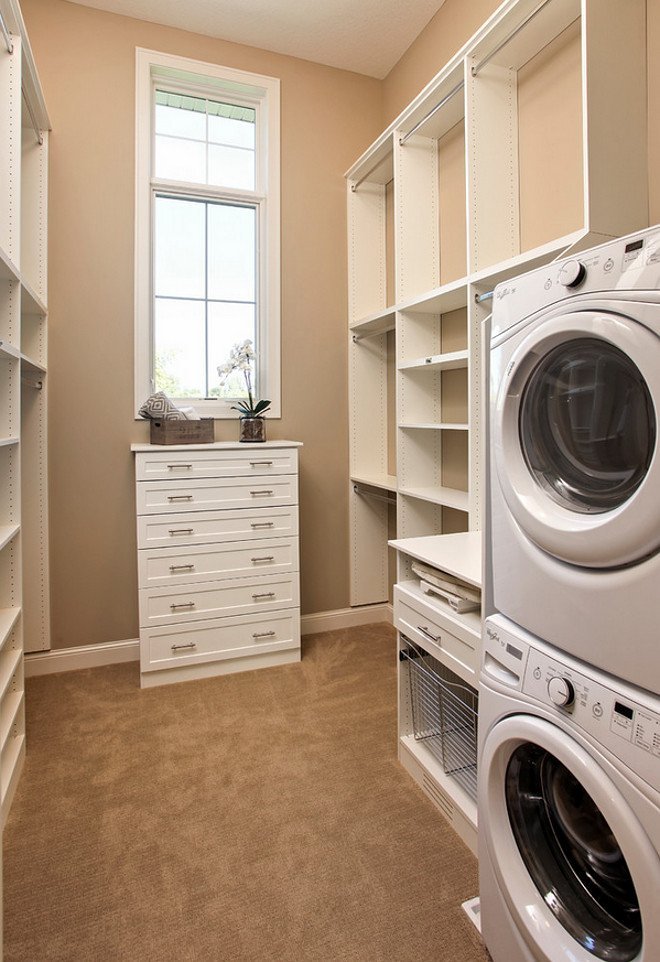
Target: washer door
x=575 y=866
x=575 y=438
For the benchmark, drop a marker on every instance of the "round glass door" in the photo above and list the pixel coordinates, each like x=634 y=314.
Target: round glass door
x=587 y=425
x=572 y=855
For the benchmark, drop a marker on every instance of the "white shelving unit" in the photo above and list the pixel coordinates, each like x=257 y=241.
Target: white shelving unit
x=24 y=595
x=444 y=206
x=526 y=146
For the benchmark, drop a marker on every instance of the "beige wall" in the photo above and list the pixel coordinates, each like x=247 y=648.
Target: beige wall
x=86 y=64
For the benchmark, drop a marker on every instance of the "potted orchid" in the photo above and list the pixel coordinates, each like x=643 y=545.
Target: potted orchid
x=251 y=413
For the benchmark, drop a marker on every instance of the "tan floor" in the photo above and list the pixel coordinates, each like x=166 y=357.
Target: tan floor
x=250 y=818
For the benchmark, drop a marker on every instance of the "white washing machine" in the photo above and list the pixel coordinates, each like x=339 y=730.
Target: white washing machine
x=569 y=807
x=573 y=532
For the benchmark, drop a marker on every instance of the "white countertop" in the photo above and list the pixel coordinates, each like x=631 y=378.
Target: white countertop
x=217 y=446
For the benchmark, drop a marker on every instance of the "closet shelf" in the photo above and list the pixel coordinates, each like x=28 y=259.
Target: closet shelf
x=451 y=361
x=8 y=270
x=8 y=351
x=377 y=323
x=440 y=300
x=11 y=705
x=34 y=367
x=447 y=497
x=9 y=662
x=457 y=554
x=31 y=303
x=7 y=532
x=8 y=442
x=8 y=618
x=385 y=482
x=435 y=426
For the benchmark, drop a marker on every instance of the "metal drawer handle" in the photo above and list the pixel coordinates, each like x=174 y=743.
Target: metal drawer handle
x=263 y=634
x=267 y=557
x=264 y=594
x=265 y=491
x=179 y=497
x=191 y=644
x=262 y=524
x=186 y=604
x=181 y=567
x=255 y=463
x=186 y=467
x=425 y=631
x=181 y=530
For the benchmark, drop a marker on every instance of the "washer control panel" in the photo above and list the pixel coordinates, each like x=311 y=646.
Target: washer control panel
x=622 y=719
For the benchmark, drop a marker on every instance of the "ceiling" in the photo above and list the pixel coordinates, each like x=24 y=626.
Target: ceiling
x=367 y=36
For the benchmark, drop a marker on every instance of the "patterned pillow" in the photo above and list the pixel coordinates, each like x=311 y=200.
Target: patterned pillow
x=160 y=408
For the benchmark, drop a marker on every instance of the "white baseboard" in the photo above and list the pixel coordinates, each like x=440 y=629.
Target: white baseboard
x=86 y=656
x=93 y=656
x=345 y=618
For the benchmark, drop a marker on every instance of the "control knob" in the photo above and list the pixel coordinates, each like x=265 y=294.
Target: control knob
x=561 y=692
x=572 y=273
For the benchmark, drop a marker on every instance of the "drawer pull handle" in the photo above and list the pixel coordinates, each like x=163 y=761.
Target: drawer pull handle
x=265 y=491
x=255 y=464
x=184 y=467
x=264 y=594
x=179 y=497
x=262 y=524
x=185 y=604
x=425 y=631
x=266 y=557
x=181 y=567
x=174 y=531
x=191 y=644
x=263 y=634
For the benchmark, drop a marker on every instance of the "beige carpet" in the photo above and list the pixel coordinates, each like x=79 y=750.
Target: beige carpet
x=250 y=818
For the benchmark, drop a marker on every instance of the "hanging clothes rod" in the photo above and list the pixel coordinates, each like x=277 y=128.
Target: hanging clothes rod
x=33 y=119
x=37 y=385
x=364 y=176
x=488 y=296
x=6 y=35
x=509 y=37
x=434 y=110
x=372 y=494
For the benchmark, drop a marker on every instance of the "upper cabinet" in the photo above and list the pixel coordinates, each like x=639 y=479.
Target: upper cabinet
x=530 y=143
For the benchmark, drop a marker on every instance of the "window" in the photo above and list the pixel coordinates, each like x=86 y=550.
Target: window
x=207 y=230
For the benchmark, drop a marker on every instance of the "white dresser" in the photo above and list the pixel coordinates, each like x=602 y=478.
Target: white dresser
x=218 y=558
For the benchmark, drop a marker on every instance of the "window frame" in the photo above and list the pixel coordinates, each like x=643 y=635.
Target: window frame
x=154 y=69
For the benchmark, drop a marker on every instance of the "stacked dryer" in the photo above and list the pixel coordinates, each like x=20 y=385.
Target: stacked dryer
x=569 y=816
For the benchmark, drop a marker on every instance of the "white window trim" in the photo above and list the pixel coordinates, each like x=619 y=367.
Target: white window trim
x=266 y=91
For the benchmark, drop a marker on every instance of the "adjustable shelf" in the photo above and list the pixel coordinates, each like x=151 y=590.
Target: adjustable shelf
x=452 y=361
x=32 y=366
x=445 y=497
x=7 y=533
x=384 y=482
x=31 y=303
x=8 y=269
x=378 y=323
x=8 y=619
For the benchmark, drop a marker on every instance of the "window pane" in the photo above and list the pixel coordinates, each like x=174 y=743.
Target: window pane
x=179 y=241
x=231 y=167
x=234 y=133
x=179 y=121
x=179 y=348
x=180 y=159
x=232 y=252
x=229 y=324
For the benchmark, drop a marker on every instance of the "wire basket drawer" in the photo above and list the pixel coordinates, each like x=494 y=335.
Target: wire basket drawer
x=444 y=715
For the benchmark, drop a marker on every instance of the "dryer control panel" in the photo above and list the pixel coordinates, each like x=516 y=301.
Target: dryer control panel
x=624 y=720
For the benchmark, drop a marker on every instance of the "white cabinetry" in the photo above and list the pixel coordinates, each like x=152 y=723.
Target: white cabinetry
x=485 y=175
x=24 y=591
x=218 y=558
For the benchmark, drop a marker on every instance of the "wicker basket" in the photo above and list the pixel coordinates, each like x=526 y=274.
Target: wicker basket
x=182 y=432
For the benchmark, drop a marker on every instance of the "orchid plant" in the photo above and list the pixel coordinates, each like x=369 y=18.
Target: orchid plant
x=241 y=357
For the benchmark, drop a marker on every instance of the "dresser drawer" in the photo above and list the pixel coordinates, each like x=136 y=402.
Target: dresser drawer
x=164 y=497
x=216 y=599
x=231 y=559
x=219 y=639
x=161 y=465
x=213 y=526
x=427 y=626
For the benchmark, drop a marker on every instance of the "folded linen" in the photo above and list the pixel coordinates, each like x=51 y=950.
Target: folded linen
x=158 y=407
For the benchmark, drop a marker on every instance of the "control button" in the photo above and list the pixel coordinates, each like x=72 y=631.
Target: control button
x=548 y=284
x=608 y=265
x=598 y=710
x=572 y=273
x=561 y=692
x=537 y=673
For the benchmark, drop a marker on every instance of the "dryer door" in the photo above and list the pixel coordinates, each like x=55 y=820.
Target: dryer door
x=575 y=438
x=575 y=866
